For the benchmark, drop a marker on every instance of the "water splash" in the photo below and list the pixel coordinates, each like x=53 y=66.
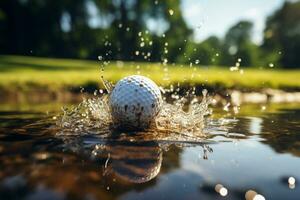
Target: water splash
x=182 y=120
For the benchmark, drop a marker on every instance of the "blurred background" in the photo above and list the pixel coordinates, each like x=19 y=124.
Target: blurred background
x=53 y=47
x=213 y=32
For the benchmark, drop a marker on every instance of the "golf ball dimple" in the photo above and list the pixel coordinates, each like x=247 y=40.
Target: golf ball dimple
x=134 y=102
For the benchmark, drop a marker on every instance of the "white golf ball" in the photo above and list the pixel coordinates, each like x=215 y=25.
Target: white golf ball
x=292 y=180
x=134 y=102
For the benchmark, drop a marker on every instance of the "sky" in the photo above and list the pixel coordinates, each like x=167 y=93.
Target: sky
x=215 y=17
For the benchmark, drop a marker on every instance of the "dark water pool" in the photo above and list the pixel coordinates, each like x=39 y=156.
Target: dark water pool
x=258 y=149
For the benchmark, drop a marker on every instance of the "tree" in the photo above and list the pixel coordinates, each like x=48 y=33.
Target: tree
x=131 y=17
x=237 y=44
x=61 y=28
x=178 y=33
x=204 y=53
x=282 y=35
x=35 y=26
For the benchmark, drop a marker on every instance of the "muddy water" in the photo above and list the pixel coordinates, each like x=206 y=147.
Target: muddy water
x=257 y=148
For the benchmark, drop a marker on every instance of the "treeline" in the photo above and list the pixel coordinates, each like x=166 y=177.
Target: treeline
x=143 y=31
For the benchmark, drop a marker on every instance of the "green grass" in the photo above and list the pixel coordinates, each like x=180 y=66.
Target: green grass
x=18 y=73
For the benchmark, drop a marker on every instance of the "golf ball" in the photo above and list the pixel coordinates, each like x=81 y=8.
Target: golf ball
x=134 y=102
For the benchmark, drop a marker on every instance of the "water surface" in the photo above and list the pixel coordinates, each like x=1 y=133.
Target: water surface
x=257 y=148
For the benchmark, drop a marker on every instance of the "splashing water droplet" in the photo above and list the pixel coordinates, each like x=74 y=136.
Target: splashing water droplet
x=226 y=107
x=93 y=116
x=234 y=68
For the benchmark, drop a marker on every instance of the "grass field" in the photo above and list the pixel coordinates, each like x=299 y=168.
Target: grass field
x=18 y=73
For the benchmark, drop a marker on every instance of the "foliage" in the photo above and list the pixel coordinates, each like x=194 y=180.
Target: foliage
x=67 y=33
x=282 y=35
x=204 y=53
x=136 y=30
x=237 y=44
